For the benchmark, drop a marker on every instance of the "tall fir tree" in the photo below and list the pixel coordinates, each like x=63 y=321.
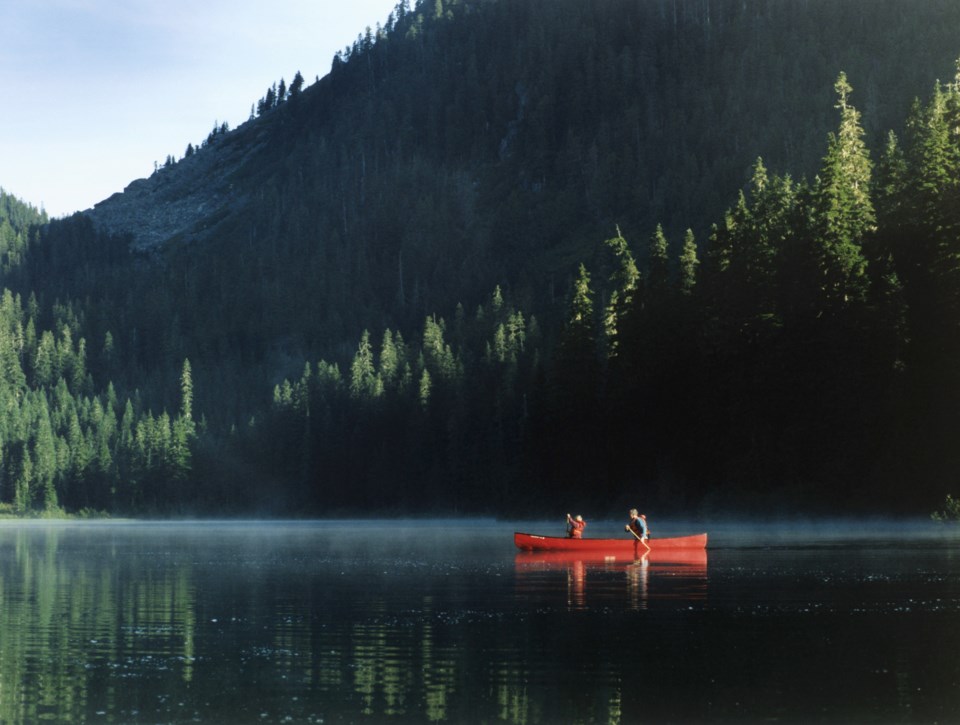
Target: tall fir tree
x=688 y=264
x=363 y=375
x=658 y=263
x=843 y=213
x=624 y=282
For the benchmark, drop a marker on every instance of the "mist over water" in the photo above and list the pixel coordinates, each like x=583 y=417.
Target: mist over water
x=444 y=620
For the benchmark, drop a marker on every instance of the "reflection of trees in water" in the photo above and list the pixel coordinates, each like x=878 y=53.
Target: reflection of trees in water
x=95 y=624
x=393 y=670
x=67 y=620
x=439 y=669
x=514 y=702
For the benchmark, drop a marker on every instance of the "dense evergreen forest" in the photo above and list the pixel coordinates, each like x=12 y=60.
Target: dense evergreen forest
x=499 y=259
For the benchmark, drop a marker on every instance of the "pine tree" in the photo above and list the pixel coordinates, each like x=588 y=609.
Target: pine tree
x=45 y=365
x=389 y=360
x=887 y=294
x=766 y=230
x=79 y=455
x=499 y=348
x=363 y=375
x=624 y=281
x=186 y=391
x=922 y=229
x=688 y=264
x=496 y=301
x=296 y=85
x=425 y=389
x=181 y=435
x=843 y=213
x=11 y=370
x=659 y=263
x=437 y=353
x=23 y=484
x=577 y=339
x=44 y=459
x=577 y=367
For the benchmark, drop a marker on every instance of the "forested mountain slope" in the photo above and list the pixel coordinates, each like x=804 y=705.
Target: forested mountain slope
x=467 y=144
x=443 y=197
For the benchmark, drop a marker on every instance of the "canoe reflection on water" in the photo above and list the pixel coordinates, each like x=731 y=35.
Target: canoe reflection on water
x=593 y=579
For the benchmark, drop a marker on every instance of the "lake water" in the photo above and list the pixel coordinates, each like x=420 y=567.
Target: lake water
x=444 y=621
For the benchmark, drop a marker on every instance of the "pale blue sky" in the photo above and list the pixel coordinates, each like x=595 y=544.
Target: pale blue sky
x=93 y=92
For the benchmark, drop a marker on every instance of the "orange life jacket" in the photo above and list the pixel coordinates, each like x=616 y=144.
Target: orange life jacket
x=576 y=529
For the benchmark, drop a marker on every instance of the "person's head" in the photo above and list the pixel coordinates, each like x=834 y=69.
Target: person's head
x=579 y=517
x=633 y=513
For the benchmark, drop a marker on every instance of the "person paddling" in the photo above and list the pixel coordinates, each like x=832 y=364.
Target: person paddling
x=638 y=527
x=575 y=526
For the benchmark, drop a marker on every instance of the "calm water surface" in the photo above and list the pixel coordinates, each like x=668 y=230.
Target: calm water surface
x=444 y=621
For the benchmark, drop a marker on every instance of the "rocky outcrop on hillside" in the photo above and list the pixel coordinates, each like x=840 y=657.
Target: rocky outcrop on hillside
x=179 y=202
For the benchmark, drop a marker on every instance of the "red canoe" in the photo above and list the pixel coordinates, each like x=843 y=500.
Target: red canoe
x=533 y=542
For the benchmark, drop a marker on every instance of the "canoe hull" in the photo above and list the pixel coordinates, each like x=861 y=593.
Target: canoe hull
x=534 y=542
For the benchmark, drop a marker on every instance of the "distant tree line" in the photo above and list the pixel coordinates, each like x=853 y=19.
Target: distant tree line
x=274 y=97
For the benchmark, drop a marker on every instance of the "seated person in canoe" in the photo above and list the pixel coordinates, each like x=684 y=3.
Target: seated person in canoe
x=575 y=526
